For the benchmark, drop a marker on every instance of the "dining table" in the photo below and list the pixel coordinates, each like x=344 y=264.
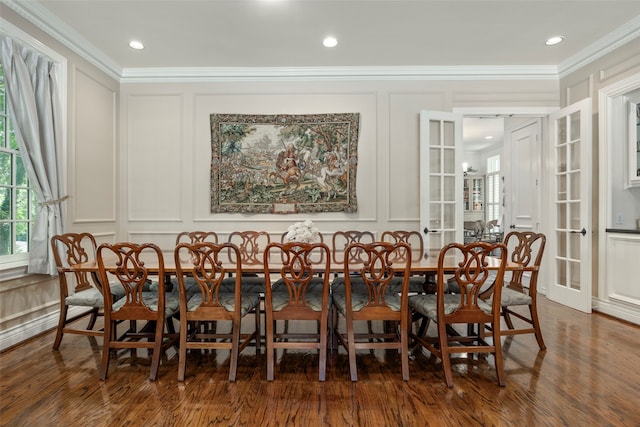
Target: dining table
x=425 y=264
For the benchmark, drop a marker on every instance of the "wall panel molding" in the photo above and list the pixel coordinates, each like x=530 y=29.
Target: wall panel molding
x=93 y=151
x=620 y=68
x=153 y=182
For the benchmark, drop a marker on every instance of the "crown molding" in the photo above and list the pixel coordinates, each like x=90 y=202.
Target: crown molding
x=222 y=74
x=603 y=46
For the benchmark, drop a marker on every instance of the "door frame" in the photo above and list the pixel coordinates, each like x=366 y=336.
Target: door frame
x=525 y=112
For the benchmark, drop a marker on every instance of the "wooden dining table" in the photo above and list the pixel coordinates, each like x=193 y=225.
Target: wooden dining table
x=422 y=264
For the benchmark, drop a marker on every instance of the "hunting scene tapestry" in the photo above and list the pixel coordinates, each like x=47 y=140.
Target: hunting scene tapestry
x=284 y=163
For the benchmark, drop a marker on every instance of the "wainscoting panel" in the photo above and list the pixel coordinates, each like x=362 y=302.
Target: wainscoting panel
x=92 y=157
x=621 y=287
x=404 y=151
x=153 y=157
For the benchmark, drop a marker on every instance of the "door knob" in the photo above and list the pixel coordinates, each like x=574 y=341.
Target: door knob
x=583 y=232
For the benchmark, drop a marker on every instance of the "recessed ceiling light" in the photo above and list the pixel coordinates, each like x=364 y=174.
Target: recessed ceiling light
x=330 y=42
x=488 y=137
x=134 y=44
x=554 y=40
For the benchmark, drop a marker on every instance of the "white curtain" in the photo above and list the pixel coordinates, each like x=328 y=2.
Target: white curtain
x=34 y=106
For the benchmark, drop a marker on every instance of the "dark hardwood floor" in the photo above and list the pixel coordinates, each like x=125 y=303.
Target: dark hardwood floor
x=588 y=376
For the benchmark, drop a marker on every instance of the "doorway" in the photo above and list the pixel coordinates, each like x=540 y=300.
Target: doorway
x=493 y=142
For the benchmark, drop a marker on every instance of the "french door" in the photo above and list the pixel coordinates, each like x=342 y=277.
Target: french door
x=571 y=239
x=523 y=169
x=441 y=214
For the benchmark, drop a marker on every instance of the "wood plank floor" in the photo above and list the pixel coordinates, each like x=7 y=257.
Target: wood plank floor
x=588 y=376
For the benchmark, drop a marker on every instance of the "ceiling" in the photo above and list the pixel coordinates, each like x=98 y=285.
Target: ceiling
x=244 y=35
x=370 y=33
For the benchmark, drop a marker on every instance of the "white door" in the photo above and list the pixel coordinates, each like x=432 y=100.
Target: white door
x=522 y=177
x=440 y=178
x=569 y=242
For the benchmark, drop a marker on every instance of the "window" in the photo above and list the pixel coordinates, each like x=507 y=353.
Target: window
x=17 y=200
x=492 y=209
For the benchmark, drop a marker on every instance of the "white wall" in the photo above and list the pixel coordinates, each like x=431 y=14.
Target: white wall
x=165 y=147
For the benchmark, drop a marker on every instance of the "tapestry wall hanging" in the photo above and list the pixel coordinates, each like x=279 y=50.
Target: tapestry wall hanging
x=284 y=163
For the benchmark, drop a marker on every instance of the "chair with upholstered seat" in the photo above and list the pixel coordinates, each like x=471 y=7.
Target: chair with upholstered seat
x=193 y=237
x=299 y=294
x=204 y=263
x=521 y=286
x=78 y=288
x=133 y=265
x=251 y=245
x=417 y=283
x=372 y=300
x=476 y=302
x=341 y=239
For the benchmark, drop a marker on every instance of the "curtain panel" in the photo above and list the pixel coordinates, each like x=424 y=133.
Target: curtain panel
x=33 y=99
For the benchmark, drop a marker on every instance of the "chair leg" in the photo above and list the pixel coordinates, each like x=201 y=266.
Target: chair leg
x=270 y=350
x=497 y=355
x=536 y=325
x=61 y=322
x=93 y=318
x=233 y=363
x=445 y=355
x=352 y=351
x=322 y=368
x=182 y=352
x=404 y=351
x=109 y=333
x=257 y=326
x=507 y=317
x=157 y=350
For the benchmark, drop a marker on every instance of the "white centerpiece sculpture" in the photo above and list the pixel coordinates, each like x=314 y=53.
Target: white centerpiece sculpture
x=304 y=232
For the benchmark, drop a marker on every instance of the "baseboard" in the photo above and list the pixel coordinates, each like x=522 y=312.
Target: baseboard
x=617 y=309
x=18 y=334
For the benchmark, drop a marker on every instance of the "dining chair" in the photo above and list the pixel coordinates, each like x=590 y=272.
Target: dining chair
x=476 y=302
x=298 y=294
x=417 y=283
x=196 y=237
x=192 y=237
x=341 y=239
x=78 y=288
x=251 y=245
x=130 y=264
x=204 y=263
x=521 y=286
x=378 y=267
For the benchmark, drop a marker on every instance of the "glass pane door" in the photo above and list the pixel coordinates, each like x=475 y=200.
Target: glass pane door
x=571 y=262
x=440 y=178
